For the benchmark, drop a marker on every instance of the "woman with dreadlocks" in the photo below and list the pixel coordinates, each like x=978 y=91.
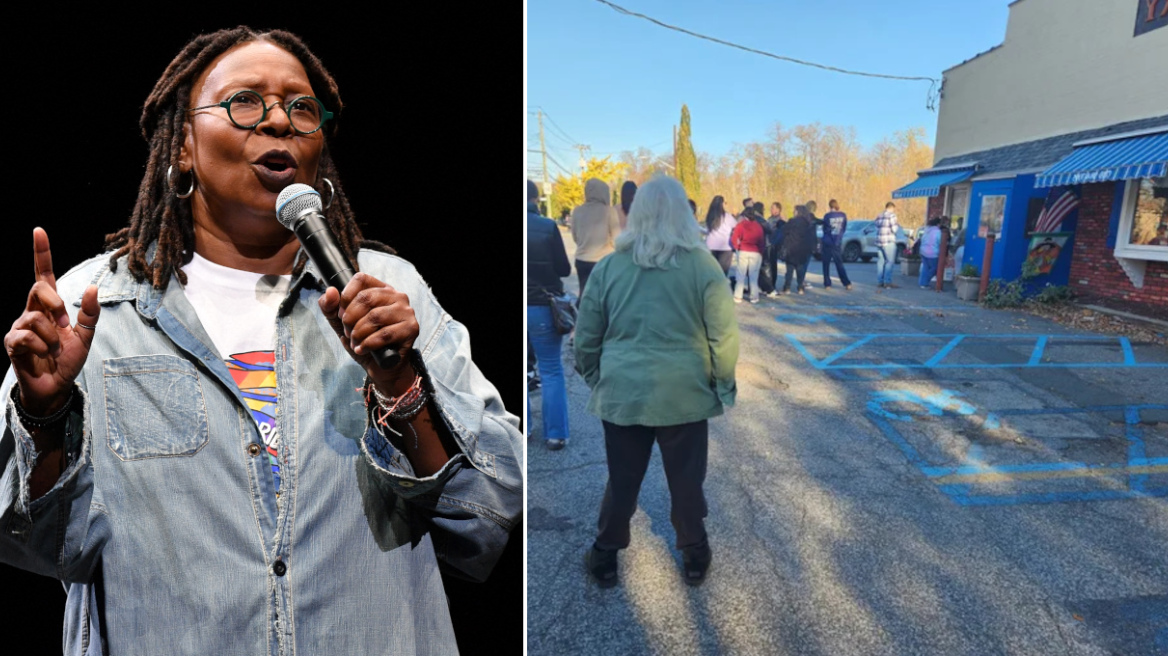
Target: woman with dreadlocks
x=197 y=441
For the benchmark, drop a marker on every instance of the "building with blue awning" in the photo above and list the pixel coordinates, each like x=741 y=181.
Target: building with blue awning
x=1056 y=141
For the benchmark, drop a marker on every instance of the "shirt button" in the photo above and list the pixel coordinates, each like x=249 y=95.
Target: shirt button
x=279 y=568
x=253 y=449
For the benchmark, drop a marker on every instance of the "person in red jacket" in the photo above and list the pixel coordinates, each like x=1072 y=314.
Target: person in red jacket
x=749 y=239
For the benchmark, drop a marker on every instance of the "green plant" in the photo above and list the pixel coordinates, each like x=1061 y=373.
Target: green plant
x=1054 y=295
x=1003 y=294
x=1031 y=268
x=969 y=271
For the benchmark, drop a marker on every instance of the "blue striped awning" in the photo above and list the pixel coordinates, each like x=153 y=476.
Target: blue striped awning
x=929 y=184
x=1124 y=159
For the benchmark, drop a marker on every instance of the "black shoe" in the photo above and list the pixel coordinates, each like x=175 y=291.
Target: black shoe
x=602 y=566
x=696 y=562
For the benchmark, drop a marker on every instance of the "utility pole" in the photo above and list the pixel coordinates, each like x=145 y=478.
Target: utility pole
x=542 y=150
x=583 y=148
x=543 y=156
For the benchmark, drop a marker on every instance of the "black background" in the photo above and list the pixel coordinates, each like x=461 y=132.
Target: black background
x=419 y=150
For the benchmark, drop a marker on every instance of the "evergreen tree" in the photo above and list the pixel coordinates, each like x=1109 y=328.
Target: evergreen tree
x=687 y=161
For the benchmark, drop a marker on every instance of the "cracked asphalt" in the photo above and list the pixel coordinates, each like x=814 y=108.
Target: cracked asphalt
x=896 y=498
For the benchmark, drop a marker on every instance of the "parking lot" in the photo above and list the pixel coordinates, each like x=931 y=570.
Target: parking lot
x=904 y=473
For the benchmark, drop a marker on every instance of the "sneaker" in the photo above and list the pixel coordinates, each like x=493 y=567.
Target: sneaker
x=737 y=300
x=924 y=286
x=602 y=566
x=696 y=563
x=755 y=300
x=800 y=292
x=555 y=444
x=892 y=286
x=847 y=288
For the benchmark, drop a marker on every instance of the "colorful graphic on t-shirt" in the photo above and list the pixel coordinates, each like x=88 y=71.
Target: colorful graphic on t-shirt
x=255 y=375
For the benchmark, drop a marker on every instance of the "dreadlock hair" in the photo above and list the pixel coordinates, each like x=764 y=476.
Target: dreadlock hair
x=160 y=216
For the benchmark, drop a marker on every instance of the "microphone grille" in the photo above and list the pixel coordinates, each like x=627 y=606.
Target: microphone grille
x=293 y=200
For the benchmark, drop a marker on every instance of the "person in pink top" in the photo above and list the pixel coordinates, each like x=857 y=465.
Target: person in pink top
x=749 y=239
x=719 y=224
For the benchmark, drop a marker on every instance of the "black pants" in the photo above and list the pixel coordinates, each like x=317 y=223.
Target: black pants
x=831 y=253
x=725 y=258
x=772 y=263
x=583 y=270
x=794 y=267
x=683 y=452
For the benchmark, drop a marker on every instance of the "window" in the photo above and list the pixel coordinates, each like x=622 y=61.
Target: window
x=958 y=204
x=993 y=211
x=1143 y=220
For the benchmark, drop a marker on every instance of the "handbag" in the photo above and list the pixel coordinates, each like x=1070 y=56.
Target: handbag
x=563 y=308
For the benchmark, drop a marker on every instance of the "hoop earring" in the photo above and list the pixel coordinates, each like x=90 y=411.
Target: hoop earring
x=170 y=183
x=332 y=192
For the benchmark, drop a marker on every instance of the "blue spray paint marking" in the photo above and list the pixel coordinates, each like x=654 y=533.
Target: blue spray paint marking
x=946 y=402
x=854 y=341
x=805 y=318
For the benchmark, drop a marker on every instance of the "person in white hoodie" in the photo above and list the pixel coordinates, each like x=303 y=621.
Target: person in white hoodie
x=594 y=226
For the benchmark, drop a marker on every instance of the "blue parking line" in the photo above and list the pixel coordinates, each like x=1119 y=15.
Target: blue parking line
x=807 y=354
x=963 y=493
x=1036 y=356
x=1058 y=497
x=844 y=351
x=1129 y=357
x=936 y=359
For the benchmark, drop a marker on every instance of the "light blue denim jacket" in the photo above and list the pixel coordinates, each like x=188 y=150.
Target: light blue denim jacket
x=166 y=532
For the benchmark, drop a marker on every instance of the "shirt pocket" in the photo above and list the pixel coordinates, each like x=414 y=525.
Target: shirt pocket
x=154 y=407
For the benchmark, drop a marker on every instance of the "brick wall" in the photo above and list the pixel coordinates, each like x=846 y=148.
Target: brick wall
x=936 y=206
x=1094 y=270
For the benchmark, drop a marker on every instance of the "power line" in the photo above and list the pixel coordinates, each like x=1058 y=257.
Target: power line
x=917 y=78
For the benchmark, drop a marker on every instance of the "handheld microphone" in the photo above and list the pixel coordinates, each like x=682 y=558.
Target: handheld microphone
x=299 y=209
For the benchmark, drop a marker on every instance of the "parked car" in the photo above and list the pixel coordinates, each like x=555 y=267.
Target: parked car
x=859 y=241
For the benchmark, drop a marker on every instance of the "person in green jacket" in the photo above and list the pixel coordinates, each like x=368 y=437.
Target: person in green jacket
x=657 y=343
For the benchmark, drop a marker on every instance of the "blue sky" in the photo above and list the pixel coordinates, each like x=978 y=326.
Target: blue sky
x=617 y=82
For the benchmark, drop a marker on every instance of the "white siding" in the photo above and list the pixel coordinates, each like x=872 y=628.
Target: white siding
x=1065 y=66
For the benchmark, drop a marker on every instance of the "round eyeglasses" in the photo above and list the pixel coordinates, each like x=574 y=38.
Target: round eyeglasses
x=246 y=109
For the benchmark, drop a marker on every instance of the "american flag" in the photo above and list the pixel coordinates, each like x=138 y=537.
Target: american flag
x=1057 y=208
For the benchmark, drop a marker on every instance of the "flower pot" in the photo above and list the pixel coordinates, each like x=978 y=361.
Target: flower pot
x=967 y=287
x=910 y=267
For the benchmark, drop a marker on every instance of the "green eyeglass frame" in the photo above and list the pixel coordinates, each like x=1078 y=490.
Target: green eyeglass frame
x=325 y=115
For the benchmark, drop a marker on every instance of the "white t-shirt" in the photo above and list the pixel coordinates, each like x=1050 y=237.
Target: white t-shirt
x=238 y=311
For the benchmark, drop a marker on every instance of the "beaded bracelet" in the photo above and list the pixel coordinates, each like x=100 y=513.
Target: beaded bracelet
x=402 y=408
x=31 y=422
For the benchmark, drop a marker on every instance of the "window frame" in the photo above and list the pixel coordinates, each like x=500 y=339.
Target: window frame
x=1127 y=212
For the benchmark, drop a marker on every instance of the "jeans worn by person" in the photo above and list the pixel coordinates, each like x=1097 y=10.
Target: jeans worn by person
x=830 y=252
x=749 y=264
x=928 y=270
x=165 y=526
x=547 y=343
x=885 y=259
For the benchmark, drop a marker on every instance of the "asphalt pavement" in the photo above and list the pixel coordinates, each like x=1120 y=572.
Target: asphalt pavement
x=904 y=473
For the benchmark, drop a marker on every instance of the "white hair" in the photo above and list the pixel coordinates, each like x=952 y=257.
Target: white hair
x=660 y=224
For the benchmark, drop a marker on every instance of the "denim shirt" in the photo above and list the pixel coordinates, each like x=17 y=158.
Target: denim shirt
x=165 y=529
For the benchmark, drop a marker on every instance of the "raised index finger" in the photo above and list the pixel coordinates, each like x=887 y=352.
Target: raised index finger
x=42 y=257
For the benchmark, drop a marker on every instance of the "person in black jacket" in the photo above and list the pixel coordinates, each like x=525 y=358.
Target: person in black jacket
x=798 y=242
x=547 y=263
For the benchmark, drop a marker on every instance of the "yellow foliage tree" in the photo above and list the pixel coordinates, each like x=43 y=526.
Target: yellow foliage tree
x=568 y=191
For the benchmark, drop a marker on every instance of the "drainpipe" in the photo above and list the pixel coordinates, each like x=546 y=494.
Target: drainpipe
x=987 y=261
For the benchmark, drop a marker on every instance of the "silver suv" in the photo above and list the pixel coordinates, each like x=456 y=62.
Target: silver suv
x=859 y=242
